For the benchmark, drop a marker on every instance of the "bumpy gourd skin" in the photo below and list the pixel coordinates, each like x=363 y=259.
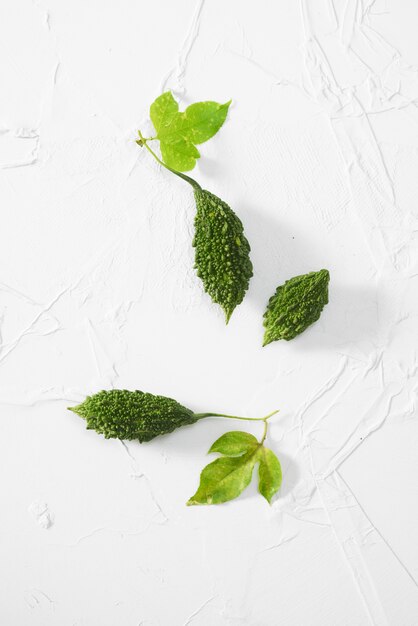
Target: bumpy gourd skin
x=123 y=414
x=296 y=305
x=222 y=251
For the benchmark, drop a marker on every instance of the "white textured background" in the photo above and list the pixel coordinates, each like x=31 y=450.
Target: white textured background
x=319 y=157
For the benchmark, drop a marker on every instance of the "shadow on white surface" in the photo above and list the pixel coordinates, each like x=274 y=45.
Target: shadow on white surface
x=210 y=169
x=290 y=472
x=352 y=317
x=277 y=253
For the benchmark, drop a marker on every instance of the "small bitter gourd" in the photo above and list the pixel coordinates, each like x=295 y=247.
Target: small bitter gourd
x=123 y=414
x=296 y=305
x=222 y=251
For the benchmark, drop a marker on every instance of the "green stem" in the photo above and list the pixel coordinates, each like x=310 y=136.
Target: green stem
x=237 y=417
x=191 y=181
x=264 y=432
x=247 y=419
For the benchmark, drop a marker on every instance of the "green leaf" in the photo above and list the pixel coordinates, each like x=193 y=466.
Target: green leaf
x=179 y=154
x=234 y=443
x=227 y=477
x=269 y=473
x=180 y=132
x=224 y=479
x=201 y=121
x=163 y=110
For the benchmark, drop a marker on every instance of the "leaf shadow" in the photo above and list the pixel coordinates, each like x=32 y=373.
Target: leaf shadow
x=210 y=169
x=199 y=436
x=290 y=475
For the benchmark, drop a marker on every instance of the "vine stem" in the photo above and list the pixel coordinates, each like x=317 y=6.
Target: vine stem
x=263 y=438
x=237 y=417
x=143 y=142
x=247 y=419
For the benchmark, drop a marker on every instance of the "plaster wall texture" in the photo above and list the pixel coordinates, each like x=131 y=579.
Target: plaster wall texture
x=319 y=157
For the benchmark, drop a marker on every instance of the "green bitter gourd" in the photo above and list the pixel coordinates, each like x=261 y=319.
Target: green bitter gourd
x=222 y=251
x=296 y=305
x=123 y=414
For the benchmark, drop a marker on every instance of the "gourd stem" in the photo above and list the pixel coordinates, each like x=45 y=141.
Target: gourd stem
x=237 y=417
x=263 y=438
x=191 y=181
x=247 y=419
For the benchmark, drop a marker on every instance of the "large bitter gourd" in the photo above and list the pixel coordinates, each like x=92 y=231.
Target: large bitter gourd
x=222 y=251
x=123 y=414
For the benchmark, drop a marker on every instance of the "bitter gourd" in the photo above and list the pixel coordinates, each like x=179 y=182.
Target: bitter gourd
x=296 y=305
x=123 y=414
x=222 y=251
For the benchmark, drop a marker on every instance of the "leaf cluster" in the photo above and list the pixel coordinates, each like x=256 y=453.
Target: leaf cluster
x=226 y=478
x=180 y=132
